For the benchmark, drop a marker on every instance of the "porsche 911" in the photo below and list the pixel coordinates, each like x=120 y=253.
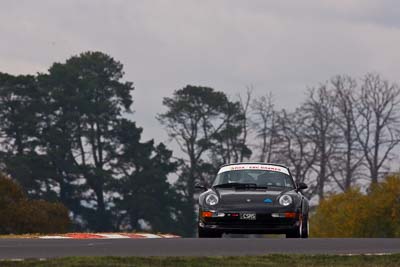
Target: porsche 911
x=253 y=198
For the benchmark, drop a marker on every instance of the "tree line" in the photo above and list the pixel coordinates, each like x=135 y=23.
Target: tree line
x=66 y=136
x=345 y=131
x=343 y=134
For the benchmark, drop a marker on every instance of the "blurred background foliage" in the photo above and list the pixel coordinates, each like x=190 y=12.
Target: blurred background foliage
x=354 y=214
x=20 y=215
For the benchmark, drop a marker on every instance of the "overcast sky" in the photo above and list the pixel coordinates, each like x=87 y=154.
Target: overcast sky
x=280 y=46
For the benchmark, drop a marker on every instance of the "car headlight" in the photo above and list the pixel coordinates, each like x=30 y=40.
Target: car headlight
x=285 y=200
x=212 y=199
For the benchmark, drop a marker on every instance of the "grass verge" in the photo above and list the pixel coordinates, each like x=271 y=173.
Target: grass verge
x=268 y=260
x=20 y=236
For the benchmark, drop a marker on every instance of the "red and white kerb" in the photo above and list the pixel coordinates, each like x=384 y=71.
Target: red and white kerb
x=107 y=236
x=253 y=167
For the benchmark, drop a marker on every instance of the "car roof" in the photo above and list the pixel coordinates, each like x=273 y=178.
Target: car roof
x=261 y=163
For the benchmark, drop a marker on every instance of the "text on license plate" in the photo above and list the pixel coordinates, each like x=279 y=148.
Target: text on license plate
x=247 y=216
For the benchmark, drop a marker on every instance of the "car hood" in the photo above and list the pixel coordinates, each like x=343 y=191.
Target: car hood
x=248 y=199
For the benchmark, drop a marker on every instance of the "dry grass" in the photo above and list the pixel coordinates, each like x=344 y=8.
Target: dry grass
x=21 y=236
x=268 y=260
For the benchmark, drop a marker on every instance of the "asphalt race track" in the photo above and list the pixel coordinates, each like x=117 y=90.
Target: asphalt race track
x=49 y=248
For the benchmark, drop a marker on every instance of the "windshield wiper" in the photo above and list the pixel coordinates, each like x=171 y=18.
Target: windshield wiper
x=239 y=185
x=281 y=186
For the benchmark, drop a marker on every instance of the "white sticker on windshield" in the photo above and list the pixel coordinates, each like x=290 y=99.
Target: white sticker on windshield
x=254 y=167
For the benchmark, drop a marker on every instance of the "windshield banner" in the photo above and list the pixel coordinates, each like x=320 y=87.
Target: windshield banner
x=254 y=167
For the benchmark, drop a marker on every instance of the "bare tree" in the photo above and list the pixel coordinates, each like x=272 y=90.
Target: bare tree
x=378 y=121
x=265 y=125
x=295 y=149
x=348 y=159
x=319 y=120
x=245 y=110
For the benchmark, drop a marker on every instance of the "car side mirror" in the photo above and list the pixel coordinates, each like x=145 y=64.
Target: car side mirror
x=301 y=186
x=200 y=187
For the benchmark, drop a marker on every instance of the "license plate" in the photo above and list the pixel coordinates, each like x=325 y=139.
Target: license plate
x=247 y=216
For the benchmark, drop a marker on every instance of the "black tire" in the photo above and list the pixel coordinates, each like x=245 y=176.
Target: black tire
x=305 y=228
x=203 y=233
x=301 y=231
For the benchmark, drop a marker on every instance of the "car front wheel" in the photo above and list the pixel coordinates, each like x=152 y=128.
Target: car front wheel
x=305 y=228
x=301 y=231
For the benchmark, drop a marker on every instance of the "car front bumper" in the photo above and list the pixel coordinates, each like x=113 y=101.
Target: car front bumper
x=265 y=223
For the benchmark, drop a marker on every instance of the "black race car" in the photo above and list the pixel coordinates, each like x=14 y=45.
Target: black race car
x=253 y=198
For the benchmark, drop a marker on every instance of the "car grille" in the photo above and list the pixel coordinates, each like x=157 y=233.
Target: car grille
x=261 y=220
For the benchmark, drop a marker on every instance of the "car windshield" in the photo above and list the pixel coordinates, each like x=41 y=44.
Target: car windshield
x=260 y=178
